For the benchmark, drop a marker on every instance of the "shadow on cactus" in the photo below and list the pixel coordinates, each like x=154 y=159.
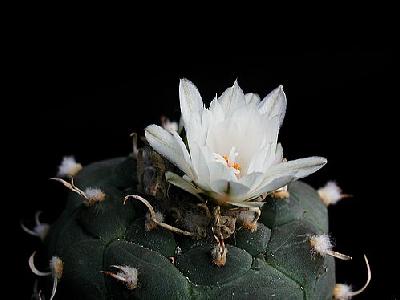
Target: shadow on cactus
x=206 y=209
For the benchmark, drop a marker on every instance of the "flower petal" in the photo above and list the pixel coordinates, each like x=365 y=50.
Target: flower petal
x=216 y=111
x=247 y=204
x=182 y=183
x=232 y=99
x=270 y=185
x=190 y=100
x=252 y=98
x=236 y=190
x=281 y=174
x=220 y=176
x=300 y=167
x=251 y=180
x=278 y=154
x=171 y=146
x=191 y=108
x=274 y=104
x=200 y=165
x=229 y=190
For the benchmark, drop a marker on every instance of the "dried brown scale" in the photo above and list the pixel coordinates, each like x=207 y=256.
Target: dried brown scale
x=151 y=171
x=223 y=226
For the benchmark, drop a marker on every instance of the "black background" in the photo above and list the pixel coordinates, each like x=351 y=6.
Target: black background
x=85 y=99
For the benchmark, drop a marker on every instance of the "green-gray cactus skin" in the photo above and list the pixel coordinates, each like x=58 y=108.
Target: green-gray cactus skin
x=274 y=262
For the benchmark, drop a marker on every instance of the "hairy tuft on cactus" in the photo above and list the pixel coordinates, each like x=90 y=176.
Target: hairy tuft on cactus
x=205 y=209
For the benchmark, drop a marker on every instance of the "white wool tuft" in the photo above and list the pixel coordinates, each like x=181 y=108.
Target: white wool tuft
x=69 y=167
x=342 y=292
x=321 y=244
x=40 y=230
x=246 y=216
x=281 y=193
x=94 y=194
x=56 y=266
x=331 y=193
x=128 y=275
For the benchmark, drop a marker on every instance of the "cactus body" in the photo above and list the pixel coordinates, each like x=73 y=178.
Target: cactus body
x=273 y=262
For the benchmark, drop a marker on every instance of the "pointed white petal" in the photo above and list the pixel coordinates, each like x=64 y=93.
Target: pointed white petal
x=219 y=186
x=274 y=104
x=278 y=154
x=271 y=184
x=232 y=99
x=300 y=167
x=252 y=98
x=191 y=108
x=259 y=159
x=182 y=184
x=171 y=146
x=236 y=189
x=285 y=172
x=251 y=180
x=190 y=101
x=220 y=175
x=200 y=164
x=216 y=111
x=247 y=204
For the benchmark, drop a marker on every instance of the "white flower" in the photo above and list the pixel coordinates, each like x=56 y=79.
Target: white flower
x=234 y=156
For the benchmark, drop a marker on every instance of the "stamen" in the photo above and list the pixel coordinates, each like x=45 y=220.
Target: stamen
x=229 y=160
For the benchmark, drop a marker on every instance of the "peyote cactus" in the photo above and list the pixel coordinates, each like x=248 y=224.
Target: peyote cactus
x=153 y=226
x=275 y=260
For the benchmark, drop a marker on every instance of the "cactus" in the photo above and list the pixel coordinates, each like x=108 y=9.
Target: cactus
x=215 y=213
x=273 y=261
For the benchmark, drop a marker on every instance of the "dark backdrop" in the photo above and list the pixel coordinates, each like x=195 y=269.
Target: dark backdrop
x=341 y=105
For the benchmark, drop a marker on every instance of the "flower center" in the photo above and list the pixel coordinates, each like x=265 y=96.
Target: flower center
x=231 y=164
x=229 y=160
